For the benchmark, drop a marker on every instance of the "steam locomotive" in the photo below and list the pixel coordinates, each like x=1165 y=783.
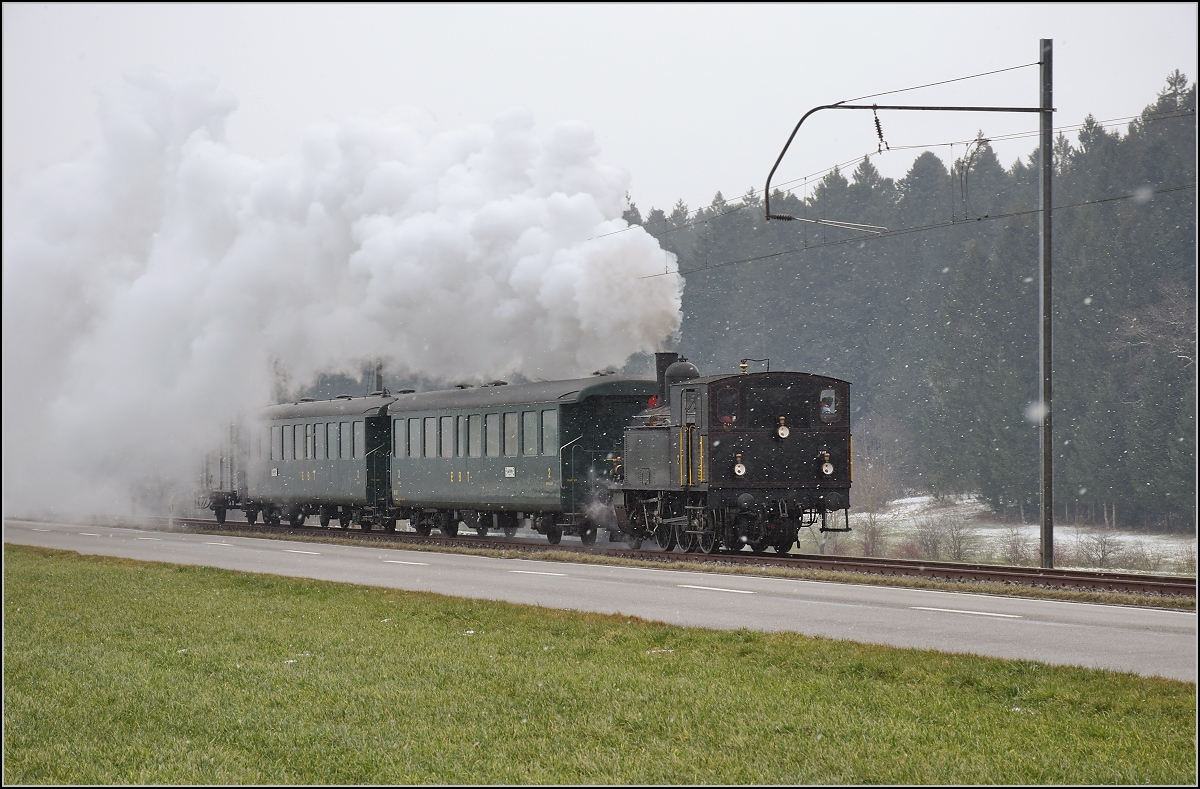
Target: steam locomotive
x=702 y=463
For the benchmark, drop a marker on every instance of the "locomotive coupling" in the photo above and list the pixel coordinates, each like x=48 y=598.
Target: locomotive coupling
x=782 y=431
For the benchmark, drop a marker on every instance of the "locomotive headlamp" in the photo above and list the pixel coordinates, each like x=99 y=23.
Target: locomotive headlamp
x=782 y=431
x=738 y=468
x=826 y=467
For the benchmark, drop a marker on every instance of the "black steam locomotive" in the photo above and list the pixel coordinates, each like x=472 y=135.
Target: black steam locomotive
x=699 y=462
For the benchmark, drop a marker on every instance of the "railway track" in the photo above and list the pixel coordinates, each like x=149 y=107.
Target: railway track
x=1098 y=580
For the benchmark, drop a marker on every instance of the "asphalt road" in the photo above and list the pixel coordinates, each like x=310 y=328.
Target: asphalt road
x=1137 y=640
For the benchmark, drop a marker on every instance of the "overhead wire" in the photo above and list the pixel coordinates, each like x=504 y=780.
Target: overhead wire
x=849 y=162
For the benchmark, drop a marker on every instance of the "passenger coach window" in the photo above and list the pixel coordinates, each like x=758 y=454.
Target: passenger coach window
x=510 y=435
x=276 y=442
x=829 y=406
x=331 y=444
x=320 y=428
x=310 y=442
x=475 y=435
x=360 y=440
x=529 y=424
x=289 y=442
x=431 y=436
x=491 y=425
x=347 y=442
x=414 y=438
x=462 y=436
x=549 y=432
x=397 y=437
x=447 y=436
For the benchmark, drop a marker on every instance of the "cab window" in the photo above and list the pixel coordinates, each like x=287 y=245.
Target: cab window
x=829 y=406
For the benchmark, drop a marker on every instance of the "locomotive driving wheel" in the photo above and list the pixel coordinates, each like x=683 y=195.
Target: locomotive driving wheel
x=685 y=538
x=706 y=535
x=588 y=535
x=664 y=535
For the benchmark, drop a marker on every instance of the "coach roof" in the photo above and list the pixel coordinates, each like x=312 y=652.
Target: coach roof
x=498 y=396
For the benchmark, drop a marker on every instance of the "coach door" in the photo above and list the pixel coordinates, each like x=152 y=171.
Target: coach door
x=691 y=440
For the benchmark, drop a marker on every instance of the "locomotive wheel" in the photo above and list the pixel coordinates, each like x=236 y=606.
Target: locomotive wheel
x=422 y=529
x=707 y=542
x=389 y=524
x=220 y=513
x=635 y=543
x=664 y=536
x=783 y=548
x=251 y=517
x=686 y=540
x=759 y=547
x=553 y=535
x=588 y=535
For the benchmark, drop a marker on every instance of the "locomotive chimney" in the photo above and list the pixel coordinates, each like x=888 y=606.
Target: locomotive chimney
x=661 y=362
x=379 y=376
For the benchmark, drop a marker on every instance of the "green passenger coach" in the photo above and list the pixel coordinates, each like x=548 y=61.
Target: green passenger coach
x=487 y=456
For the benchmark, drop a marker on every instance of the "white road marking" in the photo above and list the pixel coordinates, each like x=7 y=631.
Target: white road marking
x=88 y=534
x=226 y=544
x=535 y=572
x=957 y=611
x=156 y=539
x=397 y=561
x=289 y=550
x=42 y=530
x=715 y=589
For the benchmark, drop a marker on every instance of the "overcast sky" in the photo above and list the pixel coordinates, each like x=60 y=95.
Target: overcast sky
x=689 y=99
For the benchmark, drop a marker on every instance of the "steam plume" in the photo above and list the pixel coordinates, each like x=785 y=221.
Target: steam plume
x=154 y=284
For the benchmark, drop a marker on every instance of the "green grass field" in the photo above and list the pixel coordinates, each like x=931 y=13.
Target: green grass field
x=125 y=672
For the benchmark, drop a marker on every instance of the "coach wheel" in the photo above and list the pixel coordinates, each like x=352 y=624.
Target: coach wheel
x=422 y=529
x=553 y=535
x=220 y=513
x=449 y=525
x=323 y=517
x=251 y=517
x=272 y=517
x=296 y=517
x=588 y=535
x=510 y=531
x=389 y=525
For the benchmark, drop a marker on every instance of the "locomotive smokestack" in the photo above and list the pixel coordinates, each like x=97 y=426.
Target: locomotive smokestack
x=379 y=376
x=661 y=362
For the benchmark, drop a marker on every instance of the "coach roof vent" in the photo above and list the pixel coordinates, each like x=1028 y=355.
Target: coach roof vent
x=406 y=391
x=344 y=397
x=379 y=393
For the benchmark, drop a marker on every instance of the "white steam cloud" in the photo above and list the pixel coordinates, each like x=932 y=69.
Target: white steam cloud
x=154 y=284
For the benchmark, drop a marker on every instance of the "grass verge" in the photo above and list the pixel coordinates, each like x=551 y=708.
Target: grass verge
x=126 y=672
